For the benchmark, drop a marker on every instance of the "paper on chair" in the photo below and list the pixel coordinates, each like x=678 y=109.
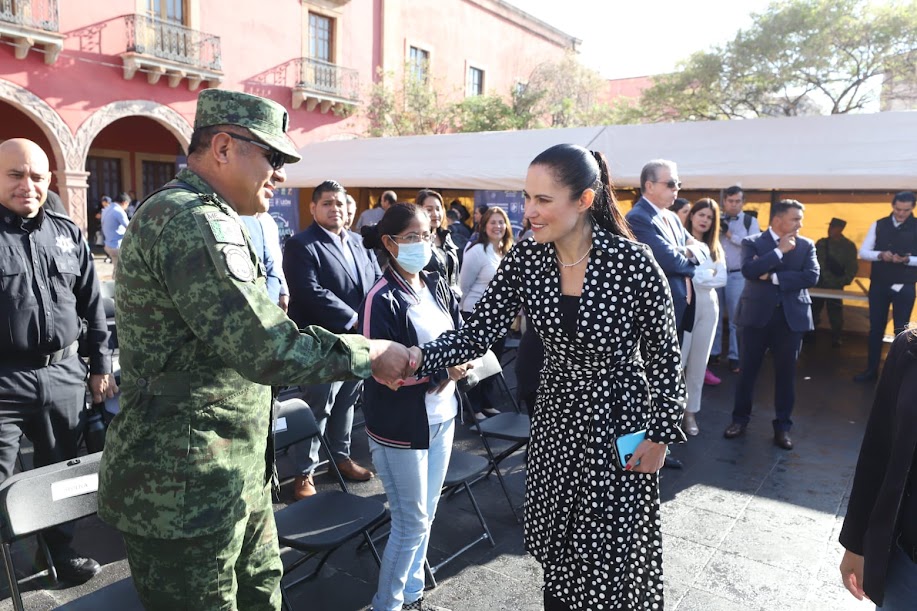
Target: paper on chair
x=75 y=486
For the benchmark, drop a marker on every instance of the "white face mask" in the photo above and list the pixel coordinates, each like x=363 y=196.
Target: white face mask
x=414 y=257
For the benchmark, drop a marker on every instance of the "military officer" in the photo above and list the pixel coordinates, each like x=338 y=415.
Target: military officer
x=837 y=258
x=186 y=471
x=48 y=285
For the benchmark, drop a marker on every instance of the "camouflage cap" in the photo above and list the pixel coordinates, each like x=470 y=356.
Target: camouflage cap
x=266 y=119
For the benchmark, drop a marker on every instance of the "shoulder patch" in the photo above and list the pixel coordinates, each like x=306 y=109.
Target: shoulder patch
x=225 y=229
x=239 y=263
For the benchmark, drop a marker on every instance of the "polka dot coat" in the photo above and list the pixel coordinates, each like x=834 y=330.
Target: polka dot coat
x=594 y=527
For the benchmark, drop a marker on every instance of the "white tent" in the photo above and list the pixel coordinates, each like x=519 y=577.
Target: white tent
x=839 y=152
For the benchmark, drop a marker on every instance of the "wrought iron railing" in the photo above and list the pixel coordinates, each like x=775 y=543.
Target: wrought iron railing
x=331 y=79
x=172 y=41
x=40 y=14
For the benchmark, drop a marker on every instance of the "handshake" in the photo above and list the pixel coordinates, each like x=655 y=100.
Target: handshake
x=393 y=363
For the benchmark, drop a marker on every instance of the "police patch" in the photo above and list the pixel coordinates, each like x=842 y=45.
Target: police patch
x=239 y=263
x=225 y=229
x=65 y=243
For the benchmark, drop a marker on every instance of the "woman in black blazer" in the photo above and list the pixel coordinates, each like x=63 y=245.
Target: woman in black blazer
x=880 y=530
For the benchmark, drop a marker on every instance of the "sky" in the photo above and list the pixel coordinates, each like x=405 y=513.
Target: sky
x=627 y=38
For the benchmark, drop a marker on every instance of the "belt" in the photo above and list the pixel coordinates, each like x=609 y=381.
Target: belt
x=732 y=271
x=38 y=361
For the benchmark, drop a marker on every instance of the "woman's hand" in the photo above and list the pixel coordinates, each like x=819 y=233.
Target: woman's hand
x=650 y=455
x=852 y=574
x=455 y=374
x=416 y=360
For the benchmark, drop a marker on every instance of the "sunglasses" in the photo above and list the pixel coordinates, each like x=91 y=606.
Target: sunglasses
x=672 y=184
x=274 y=157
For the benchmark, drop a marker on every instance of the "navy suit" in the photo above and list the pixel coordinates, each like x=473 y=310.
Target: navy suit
x=773 y=316
x=666 y=237
x=325 y=292
x=322 y=289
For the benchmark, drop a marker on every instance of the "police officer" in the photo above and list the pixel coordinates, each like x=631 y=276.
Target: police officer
x=48 y=284
x=186 y=472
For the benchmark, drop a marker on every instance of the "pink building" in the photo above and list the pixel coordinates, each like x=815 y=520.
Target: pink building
x=109 y=88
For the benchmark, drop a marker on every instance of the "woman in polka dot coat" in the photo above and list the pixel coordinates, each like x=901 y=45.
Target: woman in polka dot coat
x=602 y=307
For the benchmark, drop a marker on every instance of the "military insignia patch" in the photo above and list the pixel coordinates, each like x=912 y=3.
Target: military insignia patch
x=239 y=263
x=225 y=230
x=65 y=243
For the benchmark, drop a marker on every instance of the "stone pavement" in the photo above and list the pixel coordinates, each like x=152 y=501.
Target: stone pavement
x=746 y=526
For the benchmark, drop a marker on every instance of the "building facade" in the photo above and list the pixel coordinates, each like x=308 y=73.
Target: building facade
x=109 y=88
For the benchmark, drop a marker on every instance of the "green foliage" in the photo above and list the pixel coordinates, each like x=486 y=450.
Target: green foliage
x=798 y=57
x=483 y=113
x=415 y=106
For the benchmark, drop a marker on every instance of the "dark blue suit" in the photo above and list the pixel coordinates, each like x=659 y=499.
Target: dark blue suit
x=324 y=292
x=773 y=317
x=322 y=289
x=666 y=238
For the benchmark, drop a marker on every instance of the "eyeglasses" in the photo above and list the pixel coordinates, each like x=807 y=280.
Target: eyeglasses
x=671 y=184
x=274 y=157
x=413 y=238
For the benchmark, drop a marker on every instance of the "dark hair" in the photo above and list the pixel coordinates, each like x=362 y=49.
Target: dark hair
x=785 y=205
x=331 y=186
x=394 y=221
x=124 y=197
x=453 y=215
x=422 y=196
x=734 y=190
x=389 y=196
x=711 y=236
x=905 y=197
x=507 y=241
x=460 y=209
x=579 y=169
x=679 y=203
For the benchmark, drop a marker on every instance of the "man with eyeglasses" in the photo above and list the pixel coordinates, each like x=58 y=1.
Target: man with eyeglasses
x=329 y=272
x=677 y=253
x=187 y=470
x=891 y=247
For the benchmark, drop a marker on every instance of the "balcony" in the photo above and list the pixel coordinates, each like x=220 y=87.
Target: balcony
x=326 y=86
x=31 y=23
x=162 y=48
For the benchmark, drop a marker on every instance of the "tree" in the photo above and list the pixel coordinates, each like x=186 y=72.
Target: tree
x=415 y=106
x=561 y=93
x=798 y=57
x=483 y=113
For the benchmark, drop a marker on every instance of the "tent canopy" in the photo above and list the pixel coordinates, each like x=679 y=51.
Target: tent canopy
x=838 y=152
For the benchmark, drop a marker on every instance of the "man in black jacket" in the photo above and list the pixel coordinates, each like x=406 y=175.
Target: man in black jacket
x=891 y=246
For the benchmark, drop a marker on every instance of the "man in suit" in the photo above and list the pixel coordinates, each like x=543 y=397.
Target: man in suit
x=677 y=253
x=328 y=272
x=774 y=312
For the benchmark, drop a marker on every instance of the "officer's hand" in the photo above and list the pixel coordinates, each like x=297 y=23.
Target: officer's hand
x=102 y=386
x=391 y=362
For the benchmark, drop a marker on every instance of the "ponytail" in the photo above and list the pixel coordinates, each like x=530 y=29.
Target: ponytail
x=605 y=211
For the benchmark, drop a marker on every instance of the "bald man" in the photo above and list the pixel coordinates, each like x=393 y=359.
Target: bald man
x=49 y=285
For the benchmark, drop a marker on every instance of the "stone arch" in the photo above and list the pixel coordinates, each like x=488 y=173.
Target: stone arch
x=108 y=114
x=47 y=119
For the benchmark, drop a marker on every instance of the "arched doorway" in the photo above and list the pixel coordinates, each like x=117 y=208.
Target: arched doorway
x=134 y=155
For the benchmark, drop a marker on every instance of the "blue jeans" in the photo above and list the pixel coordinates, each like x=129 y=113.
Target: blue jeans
x=729 y=305
x=900 y=583
x=332 y=405
x=412 y=480
x=881 y=297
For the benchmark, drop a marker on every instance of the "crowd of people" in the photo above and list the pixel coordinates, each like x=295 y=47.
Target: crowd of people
x=623 y=313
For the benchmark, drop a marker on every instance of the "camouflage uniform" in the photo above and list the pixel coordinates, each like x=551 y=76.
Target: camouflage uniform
x=186 y=471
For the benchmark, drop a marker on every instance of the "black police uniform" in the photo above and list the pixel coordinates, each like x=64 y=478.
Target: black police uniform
x=48 y=286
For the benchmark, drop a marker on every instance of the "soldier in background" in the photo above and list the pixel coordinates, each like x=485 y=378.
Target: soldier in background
x=837 y=258
x=186 y=475
x=49 y=286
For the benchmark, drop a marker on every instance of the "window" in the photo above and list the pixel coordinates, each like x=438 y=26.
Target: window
x=167 y=10
x=475 y=84
x=419 y=61
x=154 y=174
x=321 y=40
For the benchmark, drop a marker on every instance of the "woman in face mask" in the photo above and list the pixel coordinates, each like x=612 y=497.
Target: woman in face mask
x=479 y=267
x=410 y=430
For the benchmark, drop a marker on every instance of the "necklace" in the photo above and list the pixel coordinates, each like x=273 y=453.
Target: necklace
x=575 y=263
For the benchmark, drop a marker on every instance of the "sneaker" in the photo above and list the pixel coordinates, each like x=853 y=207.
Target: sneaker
x=75 y=569
x=479 y=416
x=490 y=411
x=420 y=605
x=710 y=379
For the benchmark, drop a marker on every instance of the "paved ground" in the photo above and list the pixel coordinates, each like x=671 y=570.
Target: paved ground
x=746 y=525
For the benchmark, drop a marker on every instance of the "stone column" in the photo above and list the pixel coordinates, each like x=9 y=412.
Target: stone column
x=73 y=186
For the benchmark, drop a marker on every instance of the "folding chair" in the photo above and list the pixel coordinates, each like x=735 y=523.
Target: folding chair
x=320 y=524
x=514 y=427
x=34 y=500
x=464 y=468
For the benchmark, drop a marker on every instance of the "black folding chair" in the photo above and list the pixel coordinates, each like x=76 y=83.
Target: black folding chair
x=34 y=500
x=512 y=426
x=320 y=524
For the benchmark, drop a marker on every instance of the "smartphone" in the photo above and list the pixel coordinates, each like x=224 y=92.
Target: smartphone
x=626 y=445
